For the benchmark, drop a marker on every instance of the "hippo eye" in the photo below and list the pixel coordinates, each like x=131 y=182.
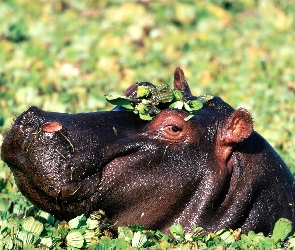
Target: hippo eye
x=175 y=128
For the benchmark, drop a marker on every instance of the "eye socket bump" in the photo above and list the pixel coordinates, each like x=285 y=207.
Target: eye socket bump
x=169 y=126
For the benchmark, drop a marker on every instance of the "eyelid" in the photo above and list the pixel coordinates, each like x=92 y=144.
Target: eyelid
x=169 y=129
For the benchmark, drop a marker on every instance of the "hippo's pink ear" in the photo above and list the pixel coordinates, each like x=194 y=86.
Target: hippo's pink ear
x=237 y=128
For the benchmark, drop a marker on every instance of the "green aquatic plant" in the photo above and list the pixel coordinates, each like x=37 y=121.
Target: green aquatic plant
x=150 y=100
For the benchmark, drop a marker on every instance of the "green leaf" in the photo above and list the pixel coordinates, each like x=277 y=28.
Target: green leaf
x=142 y=108
x=177 y=232
x=139 y=239
x=89 y=235
x=148 y=97
x=282 y=229
x=105 y=243
x=75 y=239
x=125 y=233
x=77 y=221
x=291 y=243
x=188 y=117
x=119 y=101
x=127 y=106
x=13 y=225
x=195 y=105
x=27 y=237
x=142 y=91
x=92 y=224
x=4 y=204
x=227 y=236
x=145 y=117
x=166 y=94
x=63 y=230
x=187 y=106
x=120 y=244
x=32 y=225
x=177 y=94
x=176 y=105
x=46 y=241
x=205 y=98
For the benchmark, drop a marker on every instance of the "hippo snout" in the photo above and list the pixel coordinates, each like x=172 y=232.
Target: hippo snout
x=57 y=159
x=16 y=138
x=38 y=140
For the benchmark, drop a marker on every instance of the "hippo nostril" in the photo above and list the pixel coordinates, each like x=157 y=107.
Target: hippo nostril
x=51 y=127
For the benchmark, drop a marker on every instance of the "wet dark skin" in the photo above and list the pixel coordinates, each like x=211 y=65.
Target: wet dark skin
x=213 y=170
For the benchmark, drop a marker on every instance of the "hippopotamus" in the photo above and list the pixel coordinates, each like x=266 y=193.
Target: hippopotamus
x=212 y=170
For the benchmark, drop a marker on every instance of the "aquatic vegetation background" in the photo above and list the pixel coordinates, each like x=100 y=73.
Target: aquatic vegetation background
x=65 y=55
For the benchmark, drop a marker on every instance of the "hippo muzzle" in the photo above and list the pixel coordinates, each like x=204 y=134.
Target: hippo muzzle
x=71 y=150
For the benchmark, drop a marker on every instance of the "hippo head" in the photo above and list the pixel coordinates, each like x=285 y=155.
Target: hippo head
x=212 y=170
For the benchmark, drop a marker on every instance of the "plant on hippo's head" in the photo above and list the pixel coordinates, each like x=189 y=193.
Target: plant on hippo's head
x=149 y=100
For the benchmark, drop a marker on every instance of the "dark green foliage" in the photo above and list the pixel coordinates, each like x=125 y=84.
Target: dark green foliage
x=30 y=233
x=16 y=31
x=147 y=99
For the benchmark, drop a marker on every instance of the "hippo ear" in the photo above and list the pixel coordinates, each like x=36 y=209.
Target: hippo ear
x=237 y=128
x=180 y=83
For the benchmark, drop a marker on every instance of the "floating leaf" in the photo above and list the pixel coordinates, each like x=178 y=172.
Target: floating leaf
x=139 y=239
x=291 y=243
x=187 y=106
x=177 y=232
x=226 y=235
x=75 y=239
x=89 y=235
x=63 y=230
x=97 y=215
x=46 y=241
x=32 y=225
x=282 y=229
x=77 y=221
x=13 y=226
x=125 y=233
x=4 y=204
x=26 y=237
x=92 y=224
x=148 y=97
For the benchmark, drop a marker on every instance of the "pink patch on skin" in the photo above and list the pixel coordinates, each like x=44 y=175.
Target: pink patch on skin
x=51 y=127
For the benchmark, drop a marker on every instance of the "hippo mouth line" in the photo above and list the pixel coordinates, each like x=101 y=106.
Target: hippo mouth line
x=75 y=191
x=71 y=191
